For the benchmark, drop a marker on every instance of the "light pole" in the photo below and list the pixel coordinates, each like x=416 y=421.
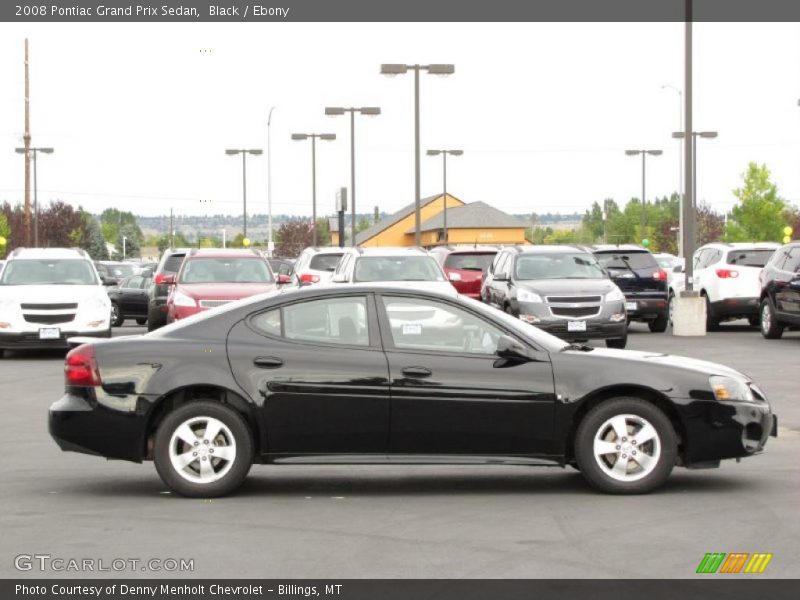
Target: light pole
x=124 y=240
x=644 y=154
x=370 y=111
x=244 y=153
x=444 y=154
x=323 y=136
x=679 y=135
x=35 y=151
x=270 y=242
x=680 y=166
x=436 y=69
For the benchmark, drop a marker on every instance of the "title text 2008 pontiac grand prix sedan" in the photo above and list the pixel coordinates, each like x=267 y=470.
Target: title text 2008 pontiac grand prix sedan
x=380 y=374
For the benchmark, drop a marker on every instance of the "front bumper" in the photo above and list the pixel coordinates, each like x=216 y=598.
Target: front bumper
x=29 y=340
x=720 y=430
x=735 y=307
x=598 y=325
x=595 y=330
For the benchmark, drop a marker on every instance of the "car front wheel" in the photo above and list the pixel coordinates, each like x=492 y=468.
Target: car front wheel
x=625 y=446
x=770 y=327
x=116 y=316
x=203 y=450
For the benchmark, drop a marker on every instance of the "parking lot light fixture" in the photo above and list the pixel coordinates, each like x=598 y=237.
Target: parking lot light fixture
x=432 y=69
x=313 y=137
x=644 y=154
x=244 y=152
x=444 y=154
x=371 y=111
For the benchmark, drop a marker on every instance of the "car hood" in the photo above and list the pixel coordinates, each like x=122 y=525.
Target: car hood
x=51 y=294
x=568 y=287
x=224 y=291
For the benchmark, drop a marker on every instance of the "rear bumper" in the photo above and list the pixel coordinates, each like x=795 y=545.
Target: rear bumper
x=30 y=340
x=735 y=307
x=647 y=309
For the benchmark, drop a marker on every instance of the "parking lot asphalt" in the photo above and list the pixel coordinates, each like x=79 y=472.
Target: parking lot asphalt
x=403 y=521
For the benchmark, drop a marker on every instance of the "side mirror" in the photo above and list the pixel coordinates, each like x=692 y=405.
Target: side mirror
x=284 y=279
x=511 y=349
x=454 y=276
x=339 y=278
x=168 y=279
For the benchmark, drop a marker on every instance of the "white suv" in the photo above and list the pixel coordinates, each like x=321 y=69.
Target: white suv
x=405 y=266
x=316 y=265
x=48 y=295
x=726 y=275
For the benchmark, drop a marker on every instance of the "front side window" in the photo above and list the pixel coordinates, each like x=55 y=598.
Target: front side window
x=49 y=272
x=428 y=325
x=226 y=270
x=134 y=282
x=559 y=265
x=397 y=268
x=329 y=321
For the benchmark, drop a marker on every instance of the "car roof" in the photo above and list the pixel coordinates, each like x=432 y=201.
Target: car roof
x=741 y=245
x=44 y=253
x=390 y=251
x=464 y=249
x=223 y=253
x=550 y=249
x=618 y=248
x=324 y=250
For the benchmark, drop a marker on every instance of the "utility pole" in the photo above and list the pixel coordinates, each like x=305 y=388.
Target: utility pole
x=171 y=230
x=27 y=140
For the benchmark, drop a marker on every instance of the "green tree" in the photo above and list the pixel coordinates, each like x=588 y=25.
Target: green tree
x=112 y=221
x=758 y=216
x=5 y=232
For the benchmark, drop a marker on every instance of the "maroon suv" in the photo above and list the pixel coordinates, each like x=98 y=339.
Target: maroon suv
x=466 y=266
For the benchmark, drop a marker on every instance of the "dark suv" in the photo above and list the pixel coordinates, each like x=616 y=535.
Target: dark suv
x=157 y=293
x=780 y=291
x=562 y=290
x=644 y=283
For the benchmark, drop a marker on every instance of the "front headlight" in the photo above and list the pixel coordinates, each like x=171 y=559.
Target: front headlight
x=615 y=295
x=181 y=299
x=730 y=388
x=528 y=296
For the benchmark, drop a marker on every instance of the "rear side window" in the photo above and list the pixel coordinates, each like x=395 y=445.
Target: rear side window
x=792 y=263
x=749 y=258
x=173 y=263
x=624 y=259
x=469 y=262
x=324 y=262
x=330 y=321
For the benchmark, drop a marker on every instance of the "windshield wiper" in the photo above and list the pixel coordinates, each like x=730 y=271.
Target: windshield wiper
x=625 y=259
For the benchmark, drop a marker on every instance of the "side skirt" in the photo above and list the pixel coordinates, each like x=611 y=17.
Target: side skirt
x=410 y=459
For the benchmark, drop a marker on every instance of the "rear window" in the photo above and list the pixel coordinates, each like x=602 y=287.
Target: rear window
x=173 y=263
x=397 y=268
x=324 y=262
x=625 y=259
x=470 y=261
x=749 y=258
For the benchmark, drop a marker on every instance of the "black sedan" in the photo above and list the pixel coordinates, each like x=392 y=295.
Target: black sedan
x=129 y=299
x=380 y=374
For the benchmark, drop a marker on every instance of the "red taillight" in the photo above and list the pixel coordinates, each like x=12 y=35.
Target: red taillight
x=309 y=278
x=80 y=367
x=727 y=274
x=660 y=275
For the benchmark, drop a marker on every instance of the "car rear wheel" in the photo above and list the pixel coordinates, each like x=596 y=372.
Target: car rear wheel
x=712 y=322
x=117 y=319
x=659 y=325
x=617 y=342
x=671 y=308
x=141 y=321
x=203 y=450
x=770 y=327
x=625 y=446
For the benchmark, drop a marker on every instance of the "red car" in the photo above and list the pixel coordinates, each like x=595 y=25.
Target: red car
x=212 y=277
x=465 y=266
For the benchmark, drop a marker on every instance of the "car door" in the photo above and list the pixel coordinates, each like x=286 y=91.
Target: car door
x=129 y=288
x=497 y=287
x=451 y=394
x=787 y=287
x=139 y=297
x=317 y=370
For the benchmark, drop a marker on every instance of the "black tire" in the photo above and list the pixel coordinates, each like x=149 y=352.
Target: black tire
x=141 y=321
x=712 y=322
x=670 y=308
x=659 y=325
x=117 y=318
x=232 y=475
x=770 y=327
x=755 y=321
x=639 y=480
x=617 y=342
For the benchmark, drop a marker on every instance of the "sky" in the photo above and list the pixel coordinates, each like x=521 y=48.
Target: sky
x=140 y=114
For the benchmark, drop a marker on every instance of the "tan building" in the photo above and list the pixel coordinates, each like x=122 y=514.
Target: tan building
x=475 y=223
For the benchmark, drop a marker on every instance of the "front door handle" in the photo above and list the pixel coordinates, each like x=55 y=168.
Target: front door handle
x=416 y=372
x=268 y=362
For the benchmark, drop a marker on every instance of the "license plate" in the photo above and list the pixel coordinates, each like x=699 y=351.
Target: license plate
x=49 y=333
x=576 y=325
x=630 y=306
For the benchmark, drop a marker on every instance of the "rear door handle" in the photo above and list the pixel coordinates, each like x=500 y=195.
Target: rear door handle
x=268 y=362
x=416 y=372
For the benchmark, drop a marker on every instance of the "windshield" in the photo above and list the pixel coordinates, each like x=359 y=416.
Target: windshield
x=225 y=270
x=470 y=262
x=397 y=268
x=636 y=260
x=750 y=258
x=49 y=272
x=120 y=271
x=324 y=262
x=559 y=265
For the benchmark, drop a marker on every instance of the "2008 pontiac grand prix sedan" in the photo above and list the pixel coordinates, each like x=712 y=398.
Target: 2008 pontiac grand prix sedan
x=380 y=374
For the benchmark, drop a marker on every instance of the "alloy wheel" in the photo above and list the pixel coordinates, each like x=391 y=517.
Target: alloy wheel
x=627 y=447
x=766 y=318
x=202 y=450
